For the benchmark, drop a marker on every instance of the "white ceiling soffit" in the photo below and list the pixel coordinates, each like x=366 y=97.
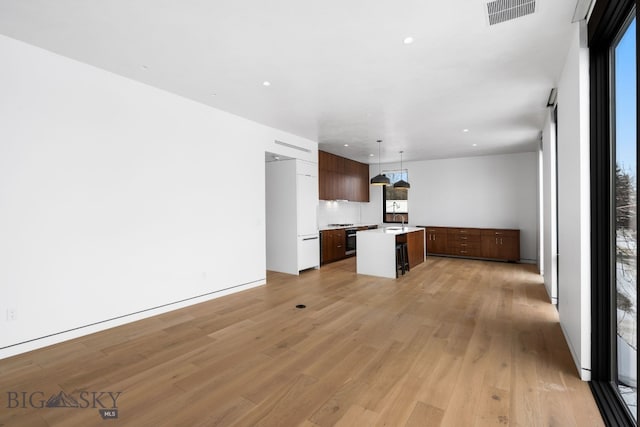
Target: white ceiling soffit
x=506 y=10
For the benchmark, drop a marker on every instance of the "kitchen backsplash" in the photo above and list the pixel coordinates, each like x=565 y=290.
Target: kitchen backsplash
x=335 y=212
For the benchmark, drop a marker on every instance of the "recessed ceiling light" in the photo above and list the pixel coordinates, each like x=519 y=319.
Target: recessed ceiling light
x=475 y=145
x=346 y=145
x=371 y=155
x=465 y=130
x=266 y=83
x=408 y=40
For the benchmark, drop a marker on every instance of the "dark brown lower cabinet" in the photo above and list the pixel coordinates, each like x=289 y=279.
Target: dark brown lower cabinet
x=332 y=245
x=501 y=244
x=463 y=242
x=487 y=243
x=415 y=247
x=436 y=240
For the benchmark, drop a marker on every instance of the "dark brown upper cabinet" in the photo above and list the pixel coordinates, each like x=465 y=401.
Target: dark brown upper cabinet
x=342 y=179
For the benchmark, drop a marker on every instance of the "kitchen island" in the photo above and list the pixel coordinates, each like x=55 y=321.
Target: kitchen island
x=377 y=249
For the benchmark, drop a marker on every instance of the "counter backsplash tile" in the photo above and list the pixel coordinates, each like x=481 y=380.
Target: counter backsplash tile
x=335 y=212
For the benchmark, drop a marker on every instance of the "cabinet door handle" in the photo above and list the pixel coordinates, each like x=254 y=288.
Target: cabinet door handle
x=310 y=238
x=496 y=240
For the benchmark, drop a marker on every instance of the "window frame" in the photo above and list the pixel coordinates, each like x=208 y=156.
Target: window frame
x=384 y=198
x=607 y=21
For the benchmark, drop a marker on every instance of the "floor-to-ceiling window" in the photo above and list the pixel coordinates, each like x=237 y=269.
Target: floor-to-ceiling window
x=613 y=50
x=625 y=214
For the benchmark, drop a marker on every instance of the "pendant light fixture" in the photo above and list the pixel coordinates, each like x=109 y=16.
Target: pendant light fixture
x=402 y=184
x=380 y=179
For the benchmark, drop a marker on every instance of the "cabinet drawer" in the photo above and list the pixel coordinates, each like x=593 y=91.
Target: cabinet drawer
x=467 y=251
x=457 y=246
x=463 y=232
x=435 y=229
x=464 y=238
x=464 y=245
x=500 y=233
x=464 y=249
x=308 y=252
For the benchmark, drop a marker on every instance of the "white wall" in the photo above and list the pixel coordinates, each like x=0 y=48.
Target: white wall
x=112 y=199
x=489 y=191
x=540 y=222
x=574 y=294
x=549 y=228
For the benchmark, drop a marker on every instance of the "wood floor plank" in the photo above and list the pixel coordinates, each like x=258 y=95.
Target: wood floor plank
x=339 y=402
x=424 y=415
x=356 y=416
x=454 y=342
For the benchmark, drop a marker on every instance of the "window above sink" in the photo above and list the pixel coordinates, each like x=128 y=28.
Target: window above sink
x=395 y=201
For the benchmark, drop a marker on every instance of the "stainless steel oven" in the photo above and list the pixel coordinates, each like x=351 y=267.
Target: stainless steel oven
x=350 y=240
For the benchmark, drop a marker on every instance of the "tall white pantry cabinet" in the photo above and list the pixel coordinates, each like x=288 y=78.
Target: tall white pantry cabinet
x=293 y=239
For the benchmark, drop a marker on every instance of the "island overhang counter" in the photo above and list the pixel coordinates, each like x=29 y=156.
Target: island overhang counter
x=376 y=254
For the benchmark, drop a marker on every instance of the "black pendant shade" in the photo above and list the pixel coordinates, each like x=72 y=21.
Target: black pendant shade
x=402 y=184
x=380 y=179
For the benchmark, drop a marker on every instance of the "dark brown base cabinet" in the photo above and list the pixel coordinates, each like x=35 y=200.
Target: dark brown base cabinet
x=436 y=240
x=332 y=245
x=486 y=243
x=415 y=248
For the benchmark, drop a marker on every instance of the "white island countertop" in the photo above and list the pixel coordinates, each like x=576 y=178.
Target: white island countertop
x=393 y=230
x=376 y=254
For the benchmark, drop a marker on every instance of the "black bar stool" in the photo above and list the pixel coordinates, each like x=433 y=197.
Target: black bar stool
x=402 y=258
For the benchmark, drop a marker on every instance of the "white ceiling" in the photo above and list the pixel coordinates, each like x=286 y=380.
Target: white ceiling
x=339 y=70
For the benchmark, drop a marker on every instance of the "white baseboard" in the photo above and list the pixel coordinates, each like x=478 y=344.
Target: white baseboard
x=62 y=336
x=584 y=373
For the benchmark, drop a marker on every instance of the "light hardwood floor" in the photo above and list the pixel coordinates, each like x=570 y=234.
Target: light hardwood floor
x=453 y=343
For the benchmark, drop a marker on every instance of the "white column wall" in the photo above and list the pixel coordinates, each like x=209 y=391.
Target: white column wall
x=113 y=204
x=574 y=281
x=549 y=208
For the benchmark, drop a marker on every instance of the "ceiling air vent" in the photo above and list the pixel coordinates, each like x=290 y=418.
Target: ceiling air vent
x=295 y=147
x=506 y=10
